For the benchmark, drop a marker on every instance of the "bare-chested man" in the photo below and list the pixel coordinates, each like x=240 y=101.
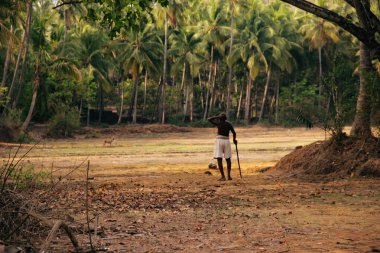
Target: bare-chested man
x=222 y=143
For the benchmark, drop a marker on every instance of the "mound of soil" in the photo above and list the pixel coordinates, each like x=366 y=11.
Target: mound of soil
x=351 y=157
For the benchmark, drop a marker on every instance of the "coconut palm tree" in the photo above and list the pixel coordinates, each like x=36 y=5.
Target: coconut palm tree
x=187 y=52
x=140 y=49
x=88 y=48
x=320 y=33
x=41 y=48
x=213 y=29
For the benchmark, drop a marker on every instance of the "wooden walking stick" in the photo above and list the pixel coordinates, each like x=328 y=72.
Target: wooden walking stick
x=237 y=154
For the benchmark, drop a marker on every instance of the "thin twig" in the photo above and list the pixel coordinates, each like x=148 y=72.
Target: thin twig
x=87 y=216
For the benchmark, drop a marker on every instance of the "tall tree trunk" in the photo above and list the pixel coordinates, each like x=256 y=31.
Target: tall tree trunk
x=201 y=90
x=36 y=84
x=134 y=117
x=156 y=107
x=256 y=100
x=213 y=91
x=362 y=123
x=192 y=100
x=145 y=87
x=7 y=60
x=162 y=111
x=320 y=76
x=229 y=88
x=277 y=98
x=88 y=114
x=66 y=14
x=121 y=102
x=101 y=106
x=240 y=100
x=247 y=115
x=23 y=48
x=185 y=105
x=183 y=76
x=208 y=86
x=265 y=94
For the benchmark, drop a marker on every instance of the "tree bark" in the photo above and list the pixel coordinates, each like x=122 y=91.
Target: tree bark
x=7 y=60
x=100 y=103
x=361 y=127
x=88 y=114
x=134 y=117
x=36 y=85
x=22 y=52
x=240 y=100
x=121 y=102
x=162 y=111
x=145 y=86
x=277 y=98
x=247 y=115
x=320 y=76
x=212 y=97
x=208 y=86
x=365 y=35
x=229 y=88
x=265 y=94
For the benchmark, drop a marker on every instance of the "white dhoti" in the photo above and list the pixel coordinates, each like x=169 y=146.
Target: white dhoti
x=222 y=147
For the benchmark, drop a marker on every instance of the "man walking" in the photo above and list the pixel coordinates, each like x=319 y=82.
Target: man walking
x=222 y=143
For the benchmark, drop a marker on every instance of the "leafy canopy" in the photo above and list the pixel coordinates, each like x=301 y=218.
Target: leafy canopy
x=120 y=14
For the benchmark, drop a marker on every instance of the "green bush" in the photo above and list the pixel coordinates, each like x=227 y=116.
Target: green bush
x=64 y=123
x=10 y=127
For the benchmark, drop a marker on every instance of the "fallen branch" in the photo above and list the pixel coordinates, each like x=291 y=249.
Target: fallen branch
x=56 y=225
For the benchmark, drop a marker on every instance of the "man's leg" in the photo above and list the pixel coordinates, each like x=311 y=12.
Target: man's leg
x=220 y=165
x=228 y=160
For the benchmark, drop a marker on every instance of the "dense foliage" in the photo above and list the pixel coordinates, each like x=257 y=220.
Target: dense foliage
x=176 y=62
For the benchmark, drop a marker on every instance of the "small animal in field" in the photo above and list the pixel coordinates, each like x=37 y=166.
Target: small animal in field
x=108 y=141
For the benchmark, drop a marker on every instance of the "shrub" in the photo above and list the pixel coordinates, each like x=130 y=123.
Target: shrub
x=64 y=123
x=10 y=127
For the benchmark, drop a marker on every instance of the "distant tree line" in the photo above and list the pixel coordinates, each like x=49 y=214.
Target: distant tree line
x=181 y=61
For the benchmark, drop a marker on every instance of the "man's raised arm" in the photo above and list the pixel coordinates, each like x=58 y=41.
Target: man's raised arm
x=214 y=120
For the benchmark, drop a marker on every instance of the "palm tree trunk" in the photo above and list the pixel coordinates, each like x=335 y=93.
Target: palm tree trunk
x=185 y=107
x=277 y=98
x=362 y=127
x=134 y=117
x=265 y=94
x=201 y=91
x=36 y=84
x=145 y=86
x=208 y=86
x=88 y=114
x=23 y=47
x=7 y=60
x=162 y=112
x=247 y=115
x=100 y=103
x=156 y=106
x=212 y=97
x=192 y=100
x=256 y=100
x=80 y=107
x=320 y=76
x=229 y=88
x=66 y=14
x=183 y=76
x=121 y=102
x=240 y=100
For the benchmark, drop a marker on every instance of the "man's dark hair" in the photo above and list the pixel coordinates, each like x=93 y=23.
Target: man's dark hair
x=223 y=116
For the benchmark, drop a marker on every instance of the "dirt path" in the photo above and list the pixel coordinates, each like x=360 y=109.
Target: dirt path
x=151 y=194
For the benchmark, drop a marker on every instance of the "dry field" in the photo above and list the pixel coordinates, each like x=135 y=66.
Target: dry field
x=152 y=192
